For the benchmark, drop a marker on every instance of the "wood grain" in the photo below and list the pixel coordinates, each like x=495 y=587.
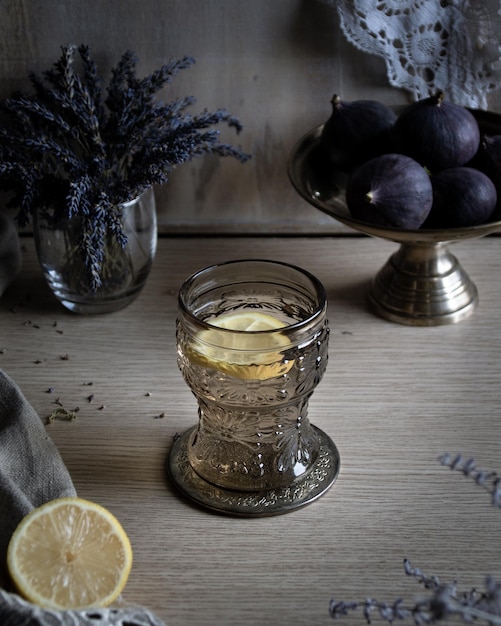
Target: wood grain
x=393 y=399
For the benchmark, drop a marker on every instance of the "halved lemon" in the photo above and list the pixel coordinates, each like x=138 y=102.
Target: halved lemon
x=69 y=553
x=249 y=353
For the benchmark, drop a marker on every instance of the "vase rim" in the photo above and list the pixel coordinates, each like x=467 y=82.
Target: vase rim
x=135 y=198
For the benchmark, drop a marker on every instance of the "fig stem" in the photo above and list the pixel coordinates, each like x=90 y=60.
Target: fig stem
x=439 y=97
x=336 y=100
x=368 y=197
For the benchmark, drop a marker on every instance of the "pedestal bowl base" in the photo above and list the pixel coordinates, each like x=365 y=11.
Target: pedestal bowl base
x=423 y=285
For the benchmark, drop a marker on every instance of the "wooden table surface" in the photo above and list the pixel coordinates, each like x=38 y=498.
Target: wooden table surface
x=393 y=399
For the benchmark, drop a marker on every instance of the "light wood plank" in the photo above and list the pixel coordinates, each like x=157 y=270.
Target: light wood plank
x=393 y=399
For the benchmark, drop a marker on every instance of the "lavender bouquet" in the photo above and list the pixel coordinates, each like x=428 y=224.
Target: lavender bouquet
x=70 y=150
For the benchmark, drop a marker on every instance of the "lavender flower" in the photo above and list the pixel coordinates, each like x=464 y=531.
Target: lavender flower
x=443 y=600
x=491 y=481
x=70 y=150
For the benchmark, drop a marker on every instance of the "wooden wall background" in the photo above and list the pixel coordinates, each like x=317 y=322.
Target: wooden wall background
x=273 y=63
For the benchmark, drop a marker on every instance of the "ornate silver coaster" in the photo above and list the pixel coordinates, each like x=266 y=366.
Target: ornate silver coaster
x=259 y=503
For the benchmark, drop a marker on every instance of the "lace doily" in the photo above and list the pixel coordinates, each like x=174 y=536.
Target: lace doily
x=452 y=45
x=16 y=612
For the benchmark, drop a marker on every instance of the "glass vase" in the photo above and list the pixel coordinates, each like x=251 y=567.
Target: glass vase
x=123 y=271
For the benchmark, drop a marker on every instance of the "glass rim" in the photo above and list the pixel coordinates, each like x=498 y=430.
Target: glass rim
x=127 y=203
x=318 y=289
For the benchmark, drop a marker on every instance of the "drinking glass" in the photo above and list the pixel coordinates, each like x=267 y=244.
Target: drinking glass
x=252 y=345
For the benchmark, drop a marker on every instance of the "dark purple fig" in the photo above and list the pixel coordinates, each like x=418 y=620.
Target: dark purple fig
x=436 y=133
x=462 y=197
x=356 y=131
x=490 y=147
x=488 y=158
x=390 y=190
x=488 y=161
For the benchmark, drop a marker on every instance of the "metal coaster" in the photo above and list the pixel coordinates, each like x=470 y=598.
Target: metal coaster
x=255 y=503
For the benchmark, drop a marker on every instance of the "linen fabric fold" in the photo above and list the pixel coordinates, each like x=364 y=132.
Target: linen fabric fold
x=31 y=469
x=32 y=472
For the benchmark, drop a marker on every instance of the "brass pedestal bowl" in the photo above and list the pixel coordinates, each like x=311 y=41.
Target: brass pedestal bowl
x=422 y=283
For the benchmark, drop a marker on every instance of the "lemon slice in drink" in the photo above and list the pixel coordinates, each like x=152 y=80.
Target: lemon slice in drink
x=249 y=353
x=69 y=554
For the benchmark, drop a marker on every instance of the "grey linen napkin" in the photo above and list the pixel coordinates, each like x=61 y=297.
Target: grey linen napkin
x=32 y=473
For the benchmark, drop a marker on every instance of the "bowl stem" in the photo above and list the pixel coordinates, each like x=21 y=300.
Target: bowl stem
x=423 y=284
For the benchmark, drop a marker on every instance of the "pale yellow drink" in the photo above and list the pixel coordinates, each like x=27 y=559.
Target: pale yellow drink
x=253 y=379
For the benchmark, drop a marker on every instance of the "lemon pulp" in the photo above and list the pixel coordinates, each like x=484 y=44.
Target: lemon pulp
x=69 y=553
x=249 y=353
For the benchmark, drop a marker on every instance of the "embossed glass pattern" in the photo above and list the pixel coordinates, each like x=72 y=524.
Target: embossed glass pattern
x=253 y=431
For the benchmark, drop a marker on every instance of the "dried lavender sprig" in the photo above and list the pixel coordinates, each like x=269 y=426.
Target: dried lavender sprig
x=387 y=612
x=442 y=603
x=26 y=107
x=93 y=81
x=446 y=602
x=491 y=481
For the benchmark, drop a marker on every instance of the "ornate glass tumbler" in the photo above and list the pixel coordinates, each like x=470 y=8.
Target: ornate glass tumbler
x=252 y=341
